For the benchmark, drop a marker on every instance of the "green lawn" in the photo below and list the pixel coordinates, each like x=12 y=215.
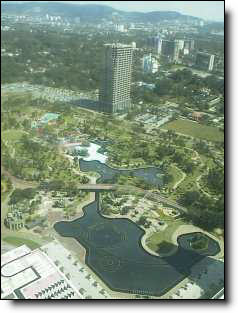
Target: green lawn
x=189 y=183
x=196 y=130
x=12 y=134
x=163 y=236
x=178 y=67
x=3 y=187
x=176 y=173
x=4 y=192
x=200 y=244
x=15 y=241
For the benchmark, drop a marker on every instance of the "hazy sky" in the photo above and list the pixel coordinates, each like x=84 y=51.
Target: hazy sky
x=209 y=10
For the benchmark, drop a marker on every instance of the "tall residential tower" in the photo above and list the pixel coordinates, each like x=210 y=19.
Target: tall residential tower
x=115 y=90
x=170 y=49
x=205 y=61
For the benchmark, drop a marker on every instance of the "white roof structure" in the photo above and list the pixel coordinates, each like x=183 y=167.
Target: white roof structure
x=27 y=274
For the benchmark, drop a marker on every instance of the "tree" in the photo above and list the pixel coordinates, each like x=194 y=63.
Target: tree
x=215 y=180
x=202 y=147
x=142 y=220
x=19 y=195
x=188 y=166
x=167 y=178
x=189 y=197
x=163 y=87
x=125 y=210
x=84 y=179
x=76 y=161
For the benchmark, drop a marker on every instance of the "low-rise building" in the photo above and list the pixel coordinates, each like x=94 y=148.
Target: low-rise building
x=14 y=220
x=32 y=275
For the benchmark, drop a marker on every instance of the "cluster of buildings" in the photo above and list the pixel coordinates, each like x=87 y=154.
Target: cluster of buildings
x=17 y=219
x=56 y=21
x=30 y=274
x=205 y=61
x=170 y=48
x=14 y=220
x=50 y=94
x=4 y=52
x=114 y=94
x=154 y=120
x=50 y=272
x=150 y=64
x=173 y=50
x=120 y=28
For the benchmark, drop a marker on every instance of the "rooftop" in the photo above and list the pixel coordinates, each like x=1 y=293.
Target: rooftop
x=30 y=274
x=118 y=45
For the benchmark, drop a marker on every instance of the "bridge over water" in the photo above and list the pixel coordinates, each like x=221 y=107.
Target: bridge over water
x=150 y=195
x=97 y=187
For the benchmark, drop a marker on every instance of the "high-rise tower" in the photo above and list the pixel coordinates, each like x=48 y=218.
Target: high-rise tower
x=170 y=49
x=115 y=90
x=205 y=61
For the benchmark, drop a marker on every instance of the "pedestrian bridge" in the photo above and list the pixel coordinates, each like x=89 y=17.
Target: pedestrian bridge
x=97 y=187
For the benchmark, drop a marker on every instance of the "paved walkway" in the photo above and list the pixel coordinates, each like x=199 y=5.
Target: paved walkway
x=181 y=180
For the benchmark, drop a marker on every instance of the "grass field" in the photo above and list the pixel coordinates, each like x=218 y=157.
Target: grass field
x=3 y=186
x=12 y=135
x=176 y=173
x=196 y=130
x=15 y=241
x=163 y=236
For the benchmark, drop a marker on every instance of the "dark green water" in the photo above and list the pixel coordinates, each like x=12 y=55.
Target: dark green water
x=115 y=253
x=114 y=250
x=152 y=175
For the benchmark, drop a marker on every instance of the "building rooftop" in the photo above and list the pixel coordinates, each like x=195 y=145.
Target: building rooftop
x=118 y=45
x=27 y=274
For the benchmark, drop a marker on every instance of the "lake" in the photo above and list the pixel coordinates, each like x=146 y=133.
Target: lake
x=114 y=250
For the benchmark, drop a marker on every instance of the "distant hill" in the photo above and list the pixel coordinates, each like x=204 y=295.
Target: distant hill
x=87 y=12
